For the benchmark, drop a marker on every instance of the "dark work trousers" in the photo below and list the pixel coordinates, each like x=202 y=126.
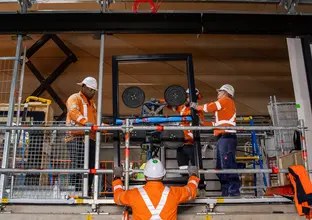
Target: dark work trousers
x=226 y=159
x=186 y=154
x=76 y=148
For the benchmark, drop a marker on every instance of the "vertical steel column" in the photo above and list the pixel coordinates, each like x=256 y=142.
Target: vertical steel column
x=7 y=138
x=195 y=122
x=127 y=153
x=127 y=163
x=86 y=163
x=115 y=103
x=19 y=102
x=99 y=118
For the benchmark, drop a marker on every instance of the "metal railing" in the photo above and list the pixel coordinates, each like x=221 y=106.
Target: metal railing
x=53 y=175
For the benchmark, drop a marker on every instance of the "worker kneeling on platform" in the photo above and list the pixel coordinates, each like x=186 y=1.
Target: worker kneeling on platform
x=155 y=200
x=225 y=116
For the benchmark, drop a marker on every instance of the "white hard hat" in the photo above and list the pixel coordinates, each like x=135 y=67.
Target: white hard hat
x=228 y=88
x=154 y=169
x=188 y=91
x=90 y=82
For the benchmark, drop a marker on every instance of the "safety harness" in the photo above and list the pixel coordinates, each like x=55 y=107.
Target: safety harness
x=300 y=180
x=155 y=211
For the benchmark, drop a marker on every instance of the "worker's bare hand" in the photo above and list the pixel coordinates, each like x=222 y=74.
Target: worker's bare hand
x=194 y=105
x=192 y=170
x=118 y=171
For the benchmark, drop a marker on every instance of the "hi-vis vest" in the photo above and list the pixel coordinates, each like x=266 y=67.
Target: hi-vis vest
x=79 y=112
x=300 y=180
x=185 y=111
x=155 y=211
x=225 y=113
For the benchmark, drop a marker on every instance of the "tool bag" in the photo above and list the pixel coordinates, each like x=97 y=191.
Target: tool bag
x=300 y=180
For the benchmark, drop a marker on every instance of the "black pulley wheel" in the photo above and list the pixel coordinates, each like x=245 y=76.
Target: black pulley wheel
x=175 y=95
x=172 y=139
x=133 y=97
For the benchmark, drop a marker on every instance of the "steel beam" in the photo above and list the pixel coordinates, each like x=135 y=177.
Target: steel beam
x=161 y=22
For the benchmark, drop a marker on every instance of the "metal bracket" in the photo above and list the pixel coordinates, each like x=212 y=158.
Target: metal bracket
x=290 y=6
x=46 y=83
x=26 y=3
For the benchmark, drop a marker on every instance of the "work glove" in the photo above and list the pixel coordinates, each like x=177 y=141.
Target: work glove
x=89 y=124
x=193 y=171
x=194 y=105
x=118 y=172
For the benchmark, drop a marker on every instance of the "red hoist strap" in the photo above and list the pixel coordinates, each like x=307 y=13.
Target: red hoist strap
x=137 y=2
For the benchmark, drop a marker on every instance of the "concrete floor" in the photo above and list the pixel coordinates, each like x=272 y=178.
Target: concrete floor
x=222 y=212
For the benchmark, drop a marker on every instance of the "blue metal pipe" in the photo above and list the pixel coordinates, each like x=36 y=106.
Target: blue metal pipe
x=156 y=120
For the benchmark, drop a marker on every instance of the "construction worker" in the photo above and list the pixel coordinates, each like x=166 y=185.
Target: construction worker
x=186 y=153
x=225 y=115
x=154 y=200
x=81 y=111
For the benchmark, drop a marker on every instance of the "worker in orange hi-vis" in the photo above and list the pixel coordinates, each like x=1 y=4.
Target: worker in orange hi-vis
x=155 y=200
x=81 y=111
x=186 y=153
x=225 y=115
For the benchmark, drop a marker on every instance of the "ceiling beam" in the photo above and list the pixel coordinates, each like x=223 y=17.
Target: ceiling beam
x=158 y=23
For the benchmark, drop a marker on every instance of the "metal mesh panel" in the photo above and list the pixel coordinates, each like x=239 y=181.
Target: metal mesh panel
x=283 y=114
x=6 y=70
x=48 y=150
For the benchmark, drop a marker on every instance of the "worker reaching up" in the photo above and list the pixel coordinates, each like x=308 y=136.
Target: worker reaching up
x=225 y=115
x=186 y=153
x=81 y=111
x=155 y=200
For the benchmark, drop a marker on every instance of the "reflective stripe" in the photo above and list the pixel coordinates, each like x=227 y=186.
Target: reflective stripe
x=205 y=108
x=226 y=122
x=85 y=106
x=190 y=193
x=230 y=131
x=72 y=107
x=231 y=121
x=190 y=134
x=218 y=105
x=183 y=167
x=118 y=199
x=194 y=182
x=117 y=187
x=79 y=118
x=182 y=111
x=155 y=212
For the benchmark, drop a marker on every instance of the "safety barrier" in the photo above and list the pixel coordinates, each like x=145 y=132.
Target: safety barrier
x=45 y=171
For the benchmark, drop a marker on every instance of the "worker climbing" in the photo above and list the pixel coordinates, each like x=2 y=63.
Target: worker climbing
x=225 y=115
x=154 y=200
x=81 y=111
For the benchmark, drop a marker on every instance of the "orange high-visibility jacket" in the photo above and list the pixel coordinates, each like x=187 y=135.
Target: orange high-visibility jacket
x=300 y=180
x=79 y=112
x=154 y=199
x=184 y=111
x=225 y=114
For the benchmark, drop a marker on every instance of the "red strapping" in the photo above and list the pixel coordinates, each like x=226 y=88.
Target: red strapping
x=159 y=128
x=127 y=152
x=94 y=128
x=137 y=2
x=93 y=171
x=275 y=170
